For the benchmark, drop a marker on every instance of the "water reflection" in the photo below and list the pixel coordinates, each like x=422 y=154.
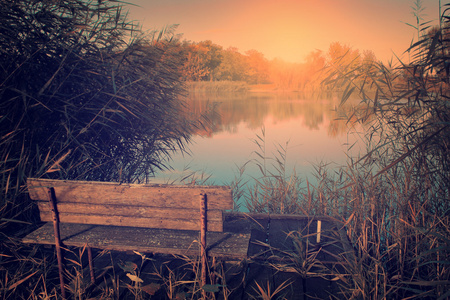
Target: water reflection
x=310 y=129
x=228 y=111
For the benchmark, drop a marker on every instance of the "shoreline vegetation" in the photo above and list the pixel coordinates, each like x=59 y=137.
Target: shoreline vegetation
x=227 y=86
x=216 y=87
x=78 y=102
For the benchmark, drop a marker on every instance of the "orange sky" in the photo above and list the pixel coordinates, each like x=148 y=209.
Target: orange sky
x=289 y=29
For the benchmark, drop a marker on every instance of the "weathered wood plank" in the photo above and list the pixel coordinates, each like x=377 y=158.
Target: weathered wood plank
x=305 y=231
x=130 y=211
x=256 y=225
x=179 y=242
x=179 y=196
x=141 y=222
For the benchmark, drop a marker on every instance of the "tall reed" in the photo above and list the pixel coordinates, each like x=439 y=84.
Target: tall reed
x=393 y=200
x=84 y=94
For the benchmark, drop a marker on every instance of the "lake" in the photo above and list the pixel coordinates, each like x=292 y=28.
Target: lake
x=306 y=130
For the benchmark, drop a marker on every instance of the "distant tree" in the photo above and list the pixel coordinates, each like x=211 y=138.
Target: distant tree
x=368 y=62
x=233 y=66
x=342 y=59
x=195 y=67
x=258 y=67
x=214 y=57
x=315 y=63
x=201 y=60
x=288 y=76
x=342 y=56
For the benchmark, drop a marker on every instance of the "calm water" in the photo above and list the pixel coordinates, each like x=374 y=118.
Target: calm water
x=306 y=128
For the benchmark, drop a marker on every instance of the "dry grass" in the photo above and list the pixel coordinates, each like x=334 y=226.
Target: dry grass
x=392 y=201
x=216 y=87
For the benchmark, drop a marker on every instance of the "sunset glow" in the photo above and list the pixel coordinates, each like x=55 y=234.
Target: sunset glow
x=289 y=29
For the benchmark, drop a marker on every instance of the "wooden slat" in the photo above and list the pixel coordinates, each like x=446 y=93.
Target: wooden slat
x=180 y=242
x=149 y=222
x=289 y=217
x=129 y=211
x=178 y=196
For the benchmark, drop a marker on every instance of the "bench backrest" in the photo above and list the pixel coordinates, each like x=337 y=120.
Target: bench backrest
x=135 y=205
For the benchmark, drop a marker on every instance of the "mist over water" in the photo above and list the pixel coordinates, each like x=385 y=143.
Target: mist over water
x=306 y=130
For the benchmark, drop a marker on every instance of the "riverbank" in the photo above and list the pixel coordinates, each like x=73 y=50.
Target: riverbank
x=197 y=87
x=216 y=87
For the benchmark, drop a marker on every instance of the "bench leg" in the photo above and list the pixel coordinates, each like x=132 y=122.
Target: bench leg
x=61 y=271
x=52 y=200
x=203 y=229
x=91 y=265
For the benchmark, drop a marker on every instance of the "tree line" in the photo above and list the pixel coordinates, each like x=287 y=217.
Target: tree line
x=207 y=61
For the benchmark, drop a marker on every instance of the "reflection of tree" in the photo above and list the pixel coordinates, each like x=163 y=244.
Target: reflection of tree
x=226 y=113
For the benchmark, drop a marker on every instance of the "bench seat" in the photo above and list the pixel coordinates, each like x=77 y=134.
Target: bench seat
x=147 y=240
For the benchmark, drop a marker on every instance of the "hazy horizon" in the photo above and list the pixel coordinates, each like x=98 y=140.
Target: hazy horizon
x=289 y=29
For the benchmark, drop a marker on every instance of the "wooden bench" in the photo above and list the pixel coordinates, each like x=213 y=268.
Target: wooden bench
x=133 y=217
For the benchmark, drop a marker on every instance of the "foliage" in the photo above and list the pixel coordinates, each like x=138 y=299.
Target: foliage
x=258 y=67
x=393 y=201
x=216 y=88
x=396 y=201
x=200 y=60
x=274 y=191
x=206 y=61
x=84 y=94
x=408 y=110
